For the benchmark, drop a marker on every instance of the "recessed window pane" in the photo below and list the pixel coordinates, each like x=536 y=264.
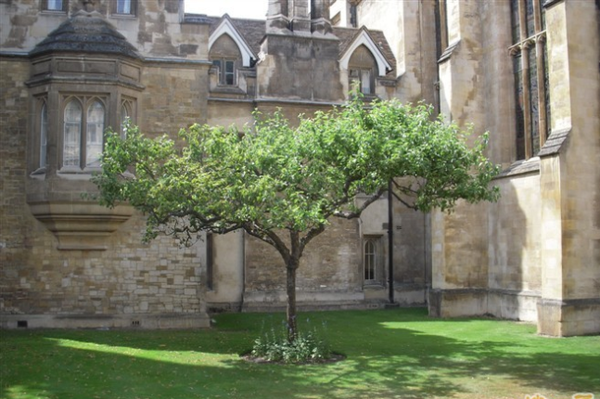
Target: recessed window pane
x=533 y=103
x=370 y=260
x=530 y=17
x=516 y=22
x=520 y=121
x=43 y=135
x=72 y=134
x=229 y=72
x=95 y=131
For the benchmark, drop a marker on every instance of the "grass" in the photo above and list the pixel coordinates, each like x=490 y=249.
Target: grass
x=400 y=353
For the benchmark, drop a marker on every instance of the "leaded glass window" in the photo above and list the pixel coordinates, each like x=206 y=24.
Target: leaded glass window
x=72 y=134
x=95 y=132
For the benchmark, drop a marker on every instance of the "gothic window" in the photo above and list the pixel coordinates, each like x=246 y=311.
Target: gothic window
x=72 y=134
x=54 y=5
x=95 y=134
x=127 y=114
x=83 y=134
x=226 y=58
x=372 y=260
x=532 y=113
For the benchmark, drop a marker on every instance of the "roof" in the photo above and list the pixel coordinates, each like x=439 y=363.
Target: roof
x=88 y=33
x=254 y=31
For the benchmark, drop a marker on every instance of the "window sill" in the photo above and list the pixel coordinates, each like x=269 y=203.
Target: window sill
x=123 y=16
x=75 y=173
x=227 y=89
x=54 y=13
x=376 y=285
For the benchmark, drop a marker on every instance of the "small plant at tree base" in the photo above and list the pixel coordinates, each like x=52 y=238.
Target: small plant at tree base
x=306 y=348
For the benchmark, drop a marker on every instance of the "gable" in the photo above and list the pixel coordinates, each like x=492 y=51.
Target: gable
x=227 y=28
x=364 y=39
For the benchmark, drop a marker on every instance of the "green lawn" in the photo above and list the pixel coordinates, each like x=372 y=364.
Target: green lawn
x=399 y=353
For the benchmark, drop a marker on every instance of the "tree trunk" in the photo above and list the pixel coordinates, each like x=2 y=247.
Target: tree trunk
x=291 y=300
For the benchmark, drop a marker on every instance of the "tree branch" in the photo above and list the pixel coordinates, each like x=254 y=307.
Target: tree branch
x=355 y=214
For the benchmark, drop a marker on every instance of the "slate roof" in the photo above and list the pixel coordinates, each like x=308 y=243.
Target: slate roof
x=348 y=35
x=88 y=33
x=252 y=30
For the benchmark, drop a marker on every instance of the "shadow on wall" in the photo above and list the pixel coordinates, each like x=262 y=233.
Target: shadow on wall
x=514 y=248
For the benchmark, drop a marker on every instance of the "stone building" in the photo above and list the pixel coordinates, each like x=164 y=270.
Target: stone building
x=527 y=71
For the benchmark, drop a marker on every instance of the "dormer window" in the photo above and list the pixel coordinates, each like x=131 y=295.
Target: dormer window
x=361 y=69
x=364 y=63
x=225 y=56
x=231 y=58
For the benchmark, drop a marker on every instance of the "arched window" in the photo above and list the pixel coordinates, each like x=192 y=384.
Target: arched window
x=43 y=135
x=226 y=57
x=370 y=260
x=72 y=134
x=83 y=134
x=95 y=132
x=373 y=260
x=125 y=116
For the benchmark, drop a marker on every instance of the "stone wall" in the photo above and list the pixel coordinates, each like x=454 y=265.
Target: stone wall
x=130 y=283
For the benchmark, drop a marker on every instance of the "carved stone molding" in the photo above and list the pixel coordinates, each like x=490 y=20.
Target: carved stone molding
x=80 y=225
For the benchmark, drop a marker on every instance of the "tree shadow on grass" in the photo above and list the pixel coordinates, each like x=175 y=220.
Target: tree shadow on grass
x=406 y=360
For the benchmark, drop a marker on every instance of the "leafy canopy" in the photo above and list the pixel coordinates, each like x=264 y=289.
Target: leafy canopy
x=274 y=176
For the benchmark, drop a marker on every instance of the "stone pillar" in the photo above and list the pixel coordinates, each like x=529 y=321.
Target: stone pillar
x=299 y=15
x=460 y=240
x=319 y=17
x=277 y=16
x=569 y=175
